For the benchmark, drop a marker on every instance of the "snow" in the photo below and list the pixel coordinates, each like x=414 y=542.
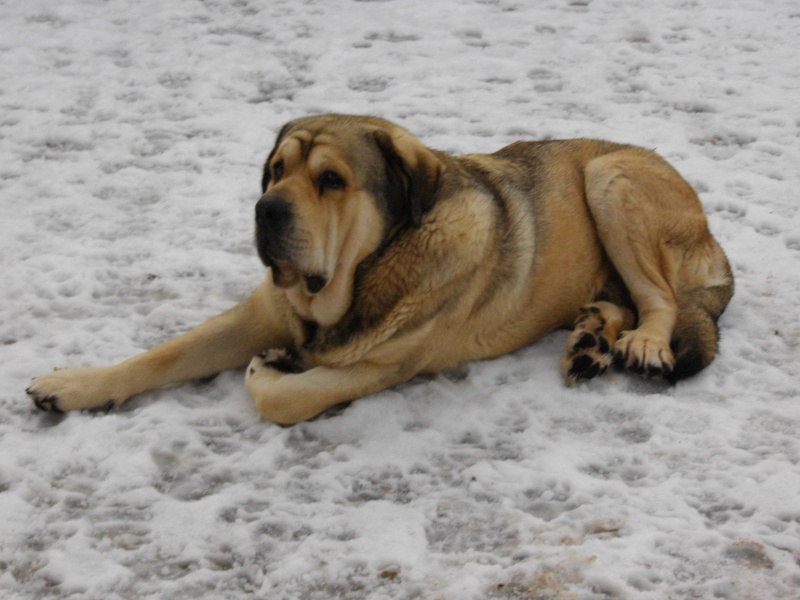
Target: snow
x=131 y=140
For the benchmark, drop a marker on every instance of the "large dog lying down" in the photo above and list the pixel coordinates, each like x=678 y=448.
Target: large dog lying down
x=387 y=259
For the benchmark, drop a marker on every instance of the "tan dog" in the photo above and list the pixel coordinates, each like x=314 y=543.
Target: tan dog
x=388 y=259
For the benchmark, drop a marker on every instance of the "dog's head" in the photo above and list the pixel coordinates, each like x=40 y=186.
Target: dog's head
x=334 y=189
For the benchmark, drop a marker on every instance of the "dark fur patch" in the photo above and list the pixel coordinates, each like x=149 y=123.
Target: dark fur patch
x=689 y=360
x=310 y=330
x=695 y=339
x=410 y=191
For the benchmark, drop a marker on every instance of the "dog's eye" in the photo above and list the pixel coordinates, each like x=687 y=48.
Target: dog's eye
x=277 y=171
x=330 y=180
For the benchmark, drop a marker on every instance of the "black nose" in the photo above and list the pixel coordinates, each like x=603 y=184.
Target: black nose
x=273 y=213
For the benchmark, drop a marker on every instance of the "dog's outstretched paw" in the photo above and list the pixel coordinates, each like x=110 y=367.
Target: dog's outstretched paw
x=45 y=403
x=64 y=390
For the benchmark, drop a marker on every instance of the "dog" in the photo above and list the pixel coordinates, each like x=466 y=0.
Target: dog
x=387 y=259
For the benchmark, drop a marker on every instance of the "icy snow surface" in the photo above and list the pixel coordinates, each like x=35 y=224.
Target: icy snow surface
x=131 y=140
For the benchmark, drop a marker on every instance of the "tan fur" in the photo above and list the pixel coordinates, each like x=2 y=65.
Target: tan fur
x=420 y=261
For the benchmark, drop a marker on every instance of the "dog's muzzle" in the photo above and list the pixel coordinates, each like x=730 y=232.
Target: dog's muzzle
x=273 y=216
x=274 y=220
x=273 y=223
x=274 y=227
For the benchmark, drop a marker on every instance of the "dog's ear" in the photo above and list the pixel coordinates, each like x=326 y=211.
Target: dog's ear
x=413 y=175
x=267 y=174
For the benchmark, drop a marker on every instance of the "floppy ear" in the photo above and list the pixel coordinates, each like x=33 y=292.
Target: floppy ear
x=413 y=175
x=267 y=175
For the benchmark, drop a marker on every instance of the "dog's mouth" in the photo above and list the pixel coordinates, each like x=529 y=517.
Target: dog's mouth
x=283 y=272
x=286 y=274
x=315 y=283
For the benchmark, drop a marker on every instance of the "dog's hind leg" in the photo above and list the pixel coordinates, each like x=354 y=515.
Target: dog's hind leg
x=590 y=345
x=652 y=227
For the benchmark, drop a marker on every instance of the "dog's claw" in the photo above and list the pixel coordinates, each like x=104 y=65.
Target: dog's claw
x=653 y=371
x=46 y=404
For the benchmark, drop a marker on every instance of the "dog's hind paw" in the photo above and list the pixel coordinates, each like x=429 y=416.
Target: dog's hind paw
x=588 y=355
x=589 y=352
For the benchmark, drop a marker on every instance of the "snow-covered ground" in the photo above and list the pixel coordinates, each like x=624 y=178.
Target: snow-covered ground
x=131 y=140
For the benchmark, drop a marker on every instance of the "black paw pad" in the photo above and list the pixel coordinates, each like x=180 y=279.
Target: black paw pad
x=589 y=352
x=587 y=340
x=585 y=367
x=593 y=371
x=581 y=363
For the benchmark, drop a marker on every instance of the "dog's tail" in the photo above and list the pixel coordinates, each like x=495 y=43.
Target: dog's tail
x=696 y=336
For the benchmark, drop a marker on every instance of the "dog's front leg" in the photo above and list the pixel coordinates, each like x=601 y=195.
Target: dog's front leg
x=226 y=341
x=285 y=396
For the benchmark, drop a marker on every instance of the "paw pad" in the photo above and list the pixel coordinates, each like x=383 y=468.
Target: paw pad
x=588 y=356
x=587 y=340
